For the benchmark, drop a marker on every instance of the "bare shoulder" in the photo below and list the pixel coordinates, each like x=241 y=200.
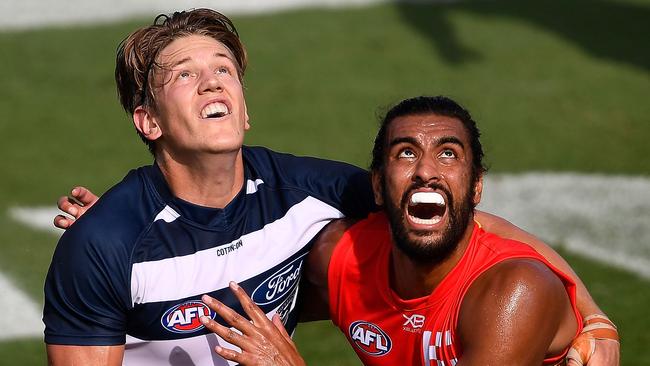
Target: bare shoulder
x=523 y=311
x=520 y=273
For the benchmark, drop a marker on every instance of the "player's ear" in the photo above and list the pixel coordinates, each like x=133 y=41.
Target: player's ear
x=478 y=190
x=146 y=123
x=377 y=188
x=247 y=124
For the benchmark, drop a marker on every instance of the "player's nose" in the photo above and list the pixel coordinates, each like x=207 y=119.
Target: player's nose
x=426 y=169
x=210 y=83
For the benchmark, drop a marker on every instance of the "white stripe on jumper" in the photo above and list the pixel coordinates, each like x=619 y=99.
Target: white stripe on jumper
x=167 y=214
x=251 y=186
x=208 y=270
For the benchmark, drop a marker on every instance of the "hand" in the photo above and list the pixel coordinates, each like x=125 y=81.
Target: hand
x=597 y=345
x=75 y=205
x=262 y=342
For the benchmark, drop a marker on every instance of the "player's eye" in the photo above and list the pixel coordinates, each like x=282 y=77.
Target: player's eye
x=184 y=75
x=406 y=154
x=448 y=154
x=223 y=70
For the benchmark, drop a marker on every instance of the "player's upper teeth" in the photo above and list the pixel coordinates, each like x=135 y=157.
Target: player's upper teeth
x=427 y=197
x=214 y=108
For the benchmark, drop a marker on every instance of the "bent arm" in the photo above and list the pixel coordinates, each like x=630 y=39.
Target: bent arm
x=60 y=355
x=604 y=351
x=497 y=225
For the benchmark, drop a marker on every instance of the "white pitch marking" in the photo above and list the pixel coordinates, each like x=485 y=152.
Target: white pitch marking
x=24 y=14
x=21 y=316
x=40 y=218
x=597 y=216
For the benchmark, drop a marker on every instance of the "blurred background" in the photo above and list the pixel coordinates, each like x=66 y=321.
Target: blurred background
x=560 y=89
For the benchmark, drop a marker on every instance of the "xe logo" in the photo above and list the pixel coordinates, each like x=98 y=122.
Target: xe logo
x=369 y=338
x=415 y=320
x=184 y=318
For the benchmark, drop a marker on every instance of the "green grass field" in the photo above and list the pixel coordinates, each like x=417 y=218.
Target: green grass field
x=555 y=86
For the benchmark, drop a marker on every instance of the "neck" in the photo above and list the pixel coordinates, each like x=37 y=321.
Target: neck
x=411 y=279
x=210 y=180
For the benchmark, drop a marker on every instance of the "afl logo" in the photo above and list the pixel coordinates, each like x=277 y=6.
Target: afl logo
x=369 y=338
x=279 y=284
x=184 y=318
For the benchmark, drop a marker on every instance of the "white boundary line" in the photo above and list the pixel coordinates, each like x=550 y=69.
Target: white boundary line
x=21 y=316
x=22 y=14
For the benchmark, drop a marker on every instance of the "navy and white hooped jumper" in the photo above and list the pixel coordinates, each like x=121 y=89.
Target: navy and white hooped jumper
x=132 y=270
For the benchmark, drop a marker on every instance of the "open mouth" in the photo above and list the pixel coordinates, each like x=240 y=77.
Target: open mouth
x=214 y=110
x=426 y=208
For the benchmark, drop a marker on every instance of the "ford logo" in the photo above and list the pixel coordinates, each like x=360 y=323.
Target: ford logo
x=279 y=284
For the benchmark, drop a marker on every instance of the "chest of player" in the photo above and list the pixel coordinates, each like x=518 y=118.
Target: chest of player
x=176 y=263
x=393 y=336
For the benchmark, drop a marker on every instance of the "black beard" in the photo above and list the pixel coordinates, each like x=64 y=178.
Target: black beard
x=428 y=251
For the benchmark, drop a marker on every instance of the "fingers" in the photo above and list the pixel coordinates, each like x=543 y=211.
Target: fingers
x=229 y=315
x=227 y=334
x=62 y=222
x=229 y=354
x=68 y=206
x=252 y=310
x=75 y=205
x=280 y=326
x=84 y=196
x=259 y=341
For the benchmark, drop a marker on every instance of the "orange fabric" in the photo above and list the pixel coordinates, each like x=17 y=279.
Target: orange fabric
x=386 y=330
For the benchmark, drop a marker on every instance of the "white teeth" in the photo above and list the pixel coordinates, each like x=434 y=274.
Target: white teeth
x=214 y=108
x=427 y=197
x=432 y=221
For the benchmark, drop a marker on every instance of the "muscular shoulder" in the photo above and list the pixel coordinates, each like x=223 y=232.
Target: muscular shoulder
x=519 y=279
x=522 y=311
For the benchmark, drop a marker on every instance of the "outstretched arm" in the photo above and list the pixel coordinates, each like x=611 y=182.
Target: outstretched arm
x=606 y=350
